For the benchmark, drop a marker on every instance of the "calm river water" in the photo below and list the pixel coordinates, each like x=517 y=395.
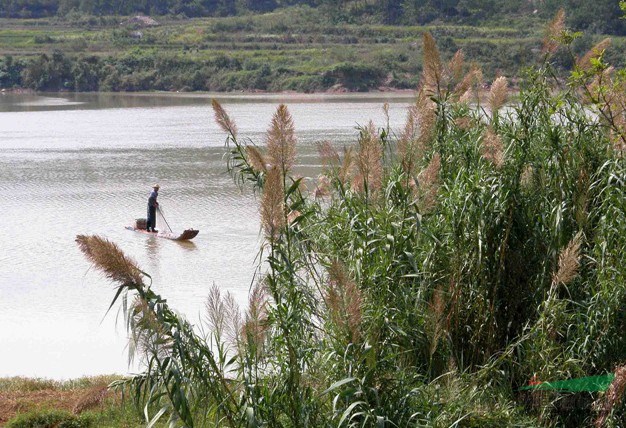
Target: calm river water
x=84 y=164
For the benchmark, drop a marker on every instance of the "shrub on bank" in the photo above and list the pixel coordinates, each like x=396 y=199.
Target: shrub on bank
x=49 y=419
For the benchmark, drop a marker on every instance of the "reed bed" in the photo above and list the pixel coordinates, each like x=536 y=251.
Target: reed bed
x=433 y=272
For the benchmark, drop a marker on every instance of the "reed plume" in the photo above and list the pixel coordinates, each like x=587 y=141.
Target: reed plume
x=469 y=81
x=222 y=119
x=584 y=62
x=408 y=140
x=370 y=159
x=328 y=154
x=464 y=122
x=323 y=187
x=429 y=183
x=222 y=314
x=498 y=94
x=553 y=33
x=569 y=262
x=436 y=318
x=255 y=326
x=433 y=70
x=273 y=204
x=256 y=159
x=527 y=175
x=347 y=166
x=109 y=259
x=456 y=65
x=344 y=301
x=417 y=132
x=281 y=139
x=467 y=97
x=427 y=118
x=492 y=147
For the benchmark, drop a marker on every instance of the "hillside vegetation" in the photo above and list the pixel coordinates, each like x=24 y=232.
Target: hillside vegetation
x=290 y=49
x=598 y=16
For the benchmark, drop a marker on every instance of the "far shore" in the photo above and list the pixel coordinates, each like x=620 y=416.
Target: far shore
x=381 y=92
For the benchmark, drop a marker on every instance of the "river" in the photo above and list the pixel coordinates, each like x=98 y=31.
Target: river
x=84 y=164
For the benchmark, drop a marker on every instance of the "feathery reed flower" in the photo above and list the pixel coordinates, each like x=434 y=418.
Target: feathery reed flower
x=427 y=116
x=464 y=122
x=433 y=70
x=108 y=258
x=456 y=64
x=436 y=318
x=222 y=314
x=467 y=97
x=344 y=301
x=429 y=183
x=370 y=158
x=408 y=140
x=469 y=81
x=498 y=94
x=328 y=154
x=492 y=147
x=255 y=326
x=281 y=139
x=417 y=131
x=553 y=33
x=273 y=204
x=256 y=159
x=569 y=262
x=323 y=187
x=527 y=175
x=347 y=166
x=222 y=118
x=584 y=62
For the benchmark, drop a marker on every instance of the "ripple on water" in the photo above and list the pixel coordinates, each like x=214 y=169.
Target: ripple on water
x=69 y=172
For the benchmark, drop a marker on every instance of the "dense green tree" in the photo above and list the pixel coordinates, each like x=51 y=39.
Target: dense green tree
x=10 y=72
x=86 y=74
x=600 y=16
x=48 y=73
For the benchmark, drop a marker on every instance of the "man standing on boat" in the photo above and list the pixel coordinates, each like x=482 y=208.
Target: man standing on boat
x=152 y=207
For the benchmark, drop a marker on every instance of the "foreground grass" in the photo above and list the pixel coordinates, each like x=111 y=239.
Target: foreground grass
x=83 y=402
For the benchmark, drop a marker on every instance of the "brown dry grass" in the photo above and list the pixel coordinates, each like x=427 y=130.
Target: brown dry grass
x=21 y=395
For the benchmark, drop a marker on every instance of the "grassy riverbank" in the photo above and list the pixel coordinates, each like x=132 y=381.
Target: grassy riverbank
x=84 y=402
x=292 y=49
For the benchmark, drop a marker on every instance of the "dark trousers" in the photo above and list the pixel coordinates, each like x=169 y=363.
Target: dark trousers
x=151 y=220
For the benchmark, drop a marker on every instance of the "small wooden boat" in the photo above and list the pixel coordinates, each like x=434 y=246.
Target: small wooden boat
x=186 y=235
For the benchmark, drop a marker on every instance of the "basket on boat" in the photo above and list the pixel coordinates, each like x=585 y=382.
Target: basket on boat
x=141 y=223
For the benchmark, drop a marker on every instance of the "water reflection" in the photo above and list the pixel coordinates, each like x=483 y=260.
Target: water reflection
x=12 y=102
x=153 y=247
x=187 y=245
